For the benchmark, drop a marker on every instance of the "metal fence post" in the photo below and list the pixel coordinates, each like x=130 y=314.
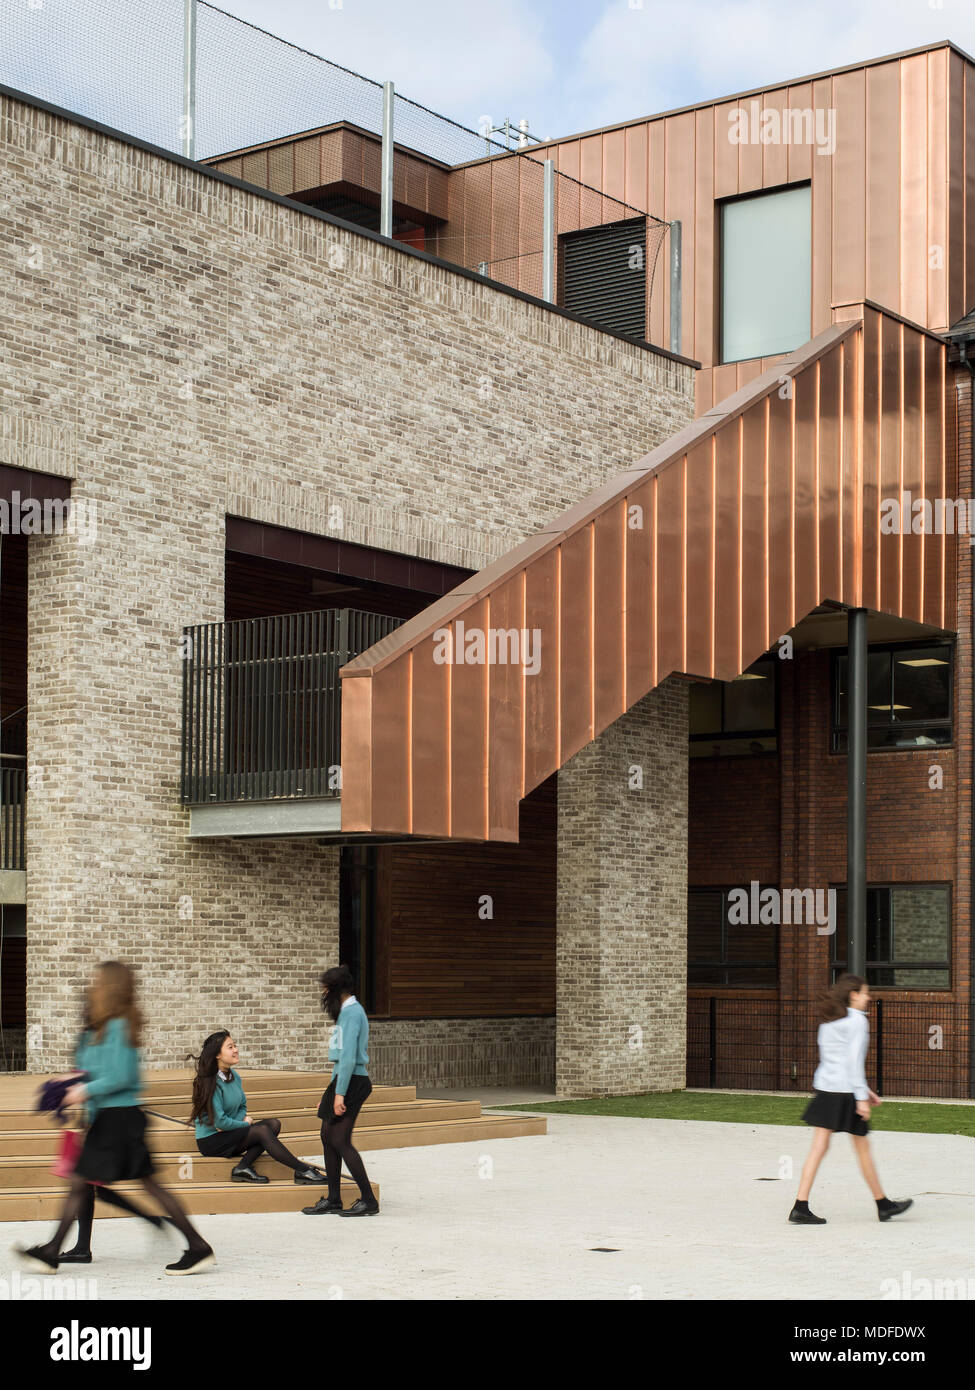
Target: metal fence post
x=548 y=232
x=188 y=132
x=880 y=1046
x=675 y=286
x=386 y=186
x=712 y=1042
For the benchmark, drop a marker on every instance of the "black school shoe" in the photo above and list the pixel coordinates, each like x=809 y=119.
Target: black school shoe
x=35 y=1257
x=322 y=1207
x=242 y=1174
x=884 y=1213
x=193 y=1262
x=362 y=1208
x=75 y=1257
x=805 y=1218
x=306 y=1177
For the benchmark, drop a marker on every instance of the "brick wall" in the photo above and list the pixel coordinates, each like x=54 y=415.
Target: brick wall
x=183 y=350
x=622 y=904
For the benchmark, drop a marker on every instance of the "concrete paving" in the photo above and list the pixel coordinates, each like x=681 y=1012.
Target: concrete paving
x=688 y=1210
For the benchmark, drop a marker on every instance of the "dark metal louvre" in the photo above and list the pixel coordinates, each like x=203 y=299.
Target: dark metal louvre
x=604 y=279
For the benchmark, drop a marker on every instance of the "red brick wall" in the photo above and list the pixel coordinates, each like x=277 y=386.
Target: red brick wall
x=782 y=819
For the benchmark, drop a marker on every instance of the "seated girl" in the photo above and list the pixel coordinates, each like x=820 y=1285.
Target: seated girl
x=223 y=1127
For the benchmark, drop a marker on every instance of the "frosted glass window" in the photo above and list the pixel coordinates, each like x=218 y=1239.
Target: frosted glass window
x=766 y=274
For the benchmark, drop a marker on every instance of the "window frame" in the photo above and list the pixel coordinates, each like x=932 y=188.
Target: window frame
x=837 y=967
x=742 y=734
x=836 y=728
x=719 y=268
x=725 y=965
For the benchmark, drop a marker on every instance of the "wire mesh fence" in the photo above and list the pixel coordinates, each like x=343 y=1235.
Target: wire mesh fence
x=124 y=63
x=916 y=1048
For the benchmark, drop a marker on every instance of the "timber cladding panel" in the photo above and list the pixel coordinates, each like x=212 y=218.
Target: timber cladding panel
x=444 y=958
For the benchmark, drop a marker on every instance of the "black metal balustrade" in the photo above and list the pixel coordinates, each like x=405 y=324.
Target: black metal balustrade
x=261 y=703
x=13 y=793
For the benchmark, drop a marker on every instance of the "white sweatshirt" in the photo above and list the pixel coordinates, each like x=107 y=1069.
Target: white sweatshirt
x=842 y=1053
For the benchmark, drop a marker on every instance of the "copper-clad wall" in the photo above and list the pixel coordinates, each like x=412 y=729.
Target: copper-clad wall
x=893 y=208
x=495 y=213
x=694 y=561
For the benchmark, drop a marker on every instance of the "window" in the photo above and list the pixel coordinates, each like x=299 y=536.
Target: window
x=722 y=953
x=604 y=276
x=908 y=935
x=727 y=718
x=908 y=698
x=766 y=273
x=357 y=919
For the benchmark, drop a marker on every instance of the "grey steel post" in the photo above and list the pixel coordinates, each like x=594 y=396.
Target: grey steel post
x=548 y=232
x=856 y=793
x=675 y=290
x=188 y=130
x=386 y=185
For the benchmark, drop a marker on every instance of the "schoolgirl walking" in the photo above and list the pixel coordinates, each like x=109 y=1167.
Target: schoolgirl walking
x=114 y=1149
x=842 y=1099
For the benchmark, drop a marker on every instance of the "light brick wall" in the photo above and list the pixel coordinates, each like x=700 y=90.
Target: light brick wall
x=463 y=1051
x=183 y=350
x=622 y=905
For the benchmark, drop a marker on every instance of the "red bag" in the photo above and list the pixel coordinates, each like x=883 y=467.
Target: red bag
x=68 y=1151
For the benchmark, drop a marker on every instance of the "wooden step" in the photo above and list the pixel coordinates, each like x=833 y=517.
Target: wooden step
x=273 y=1102
x=199 y=1199
x=296 y=1101
x=166 y=1136
x=29 y=1170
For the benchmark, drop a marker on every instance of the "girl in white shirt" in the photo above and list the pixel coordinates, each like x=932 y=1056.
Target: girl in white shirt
x=842 y=1097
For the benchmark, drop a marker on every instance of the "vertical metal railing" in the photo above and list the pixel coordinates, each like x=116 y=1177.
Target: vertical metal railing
x=261 y=703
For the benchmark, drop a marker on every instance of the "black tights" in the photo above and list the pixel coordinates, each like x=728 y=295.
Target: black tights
x=337 y=1146
x=113 y=1199
x=75 y=1201
x=262 y=1137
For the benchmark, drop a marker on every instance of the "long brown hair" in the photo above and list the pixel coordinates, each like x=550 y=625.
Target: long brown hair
x=205 y=1081
x=112 y=995
x=335 y=983
x=835 y=1001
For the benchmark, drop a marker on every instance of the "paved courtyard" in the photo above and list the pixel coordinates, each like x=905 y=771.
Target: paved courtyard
x=688 y=1210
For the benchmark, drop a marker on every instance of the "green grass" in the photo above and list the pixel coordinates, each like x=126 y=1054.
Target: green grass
x=758 y=1110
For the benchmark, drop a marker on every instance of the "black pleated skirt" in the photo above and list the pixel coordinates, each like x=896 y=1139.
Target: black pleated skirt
x=115 y=1148
x=226 y=1143
x=360 y=1088
x=836 y=1110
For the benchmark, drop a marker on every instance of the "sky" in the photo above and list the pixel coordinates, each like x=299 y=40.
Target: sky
x=564 y=65
x=571 y=65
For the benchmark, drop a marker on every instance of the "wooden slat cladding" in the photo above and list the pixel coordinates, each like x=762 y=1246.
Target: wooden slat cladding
x=453 y=962
x=338 y=154
x=736 y=529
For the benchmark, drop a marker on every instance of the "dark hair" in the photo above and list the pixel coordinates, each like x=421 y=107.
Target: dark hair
x=335 y=983
x=835 y=1001
x=205 y=1081
x=112 y=995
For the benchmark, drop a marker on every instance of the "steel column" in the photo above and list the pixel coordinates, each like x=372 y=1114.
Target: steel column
x=856 y=793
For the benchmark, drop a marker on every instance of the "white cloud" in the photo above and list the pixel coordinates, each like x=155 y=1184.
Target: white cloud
x=634 y=62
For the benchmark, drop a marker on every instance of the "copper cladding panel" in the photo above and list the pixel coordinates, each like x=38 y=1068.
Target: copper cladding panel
x=695 y=560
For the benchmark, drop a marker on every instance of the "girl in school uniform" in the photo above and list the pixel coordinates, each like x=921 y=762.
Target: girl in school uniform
x=223 y=1127
x=345 y=1095
x=114 y=1149
x=842 y=1099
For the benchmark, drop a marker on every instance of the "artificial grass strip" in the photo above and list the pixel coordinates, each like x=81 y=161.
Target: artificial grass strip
x=732 y=1108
